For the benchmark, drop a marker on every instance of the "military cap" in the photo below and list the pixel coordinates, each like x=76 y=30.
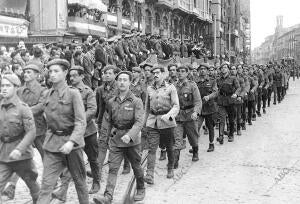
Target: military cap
x=111 y=39
x=109 y=67
x=62 y=62
x=124 y=72
x=12 y=78
x=183 y=67
x=137 y=69
x=225 y=63
x=123 y=35
x=33 y=67
x=77 y=67
x=142 y=34
x=148 y=34
x=157 y=66
x=127 y=36
x=204 y=65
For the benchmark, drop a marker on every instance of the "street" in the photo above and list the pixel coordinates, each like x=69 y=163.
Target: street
x=261 y=166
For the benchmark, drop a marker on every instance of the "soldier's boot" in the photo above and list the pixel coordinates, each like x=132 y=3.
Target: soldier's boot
x=230 y=138
x=95 y=187
x=106 y=199
x=195 y=154
x=163 y=155
x=170 y=173
x=139 y=195
x=220 y=139
x=191 y=151
x=9 y=192
x=239 y=133
x=244 y=126
x=149 y=178
x=126 y=166
x=258 y=113
x=211 y=147
x=264 y=111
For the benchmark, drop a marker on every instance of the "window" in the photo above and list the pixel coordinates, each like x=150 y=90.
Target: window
x=157 y=20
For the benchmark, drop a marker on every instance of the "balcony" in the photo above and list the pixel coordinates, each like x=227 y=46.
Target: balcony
x=165 y=3
x=183 y=5
x=112 y=21
x=83 y=26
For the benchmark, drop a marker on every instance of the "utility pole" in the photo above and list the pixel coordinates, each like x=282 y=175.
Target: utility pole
x=215 y=35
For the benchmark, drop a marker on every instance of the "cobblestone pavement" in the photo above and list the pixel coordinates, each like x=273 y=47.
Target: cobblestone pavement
x=261 y=166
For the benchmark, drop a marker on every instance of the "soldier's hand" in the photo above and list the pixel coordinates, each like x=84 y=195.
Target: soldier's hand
x=126 y=139
x=194 y=116
x=67 y=147
x=239 y=98
x=165 y=117
x=234 y=96
x=15 y=154
x=206 y=98
x=252 y=91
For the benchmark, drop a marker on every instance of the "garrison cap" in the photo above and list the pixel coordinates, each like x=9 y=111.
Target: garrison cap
x=33 y=67
x=109 y=67
x=225 y=63
x=137 y=69
x=12 y=78
x=62 y=62
x=77 y=67
x=157 y=66
x=124 y=72
x=183 y=66
x=204 y=65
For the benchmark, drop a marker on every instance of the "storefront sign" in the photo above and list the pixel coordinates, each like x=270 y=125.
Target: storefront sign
x=7 y=30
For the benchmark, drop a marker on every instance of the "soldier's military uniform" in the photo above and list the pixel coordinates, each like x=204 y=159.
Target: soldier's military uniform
x=278 y=81
x=17 y=132
x=138 y=87
x=261 y=84
x=90 y=139
x=125 y=117
x=208 y=88
x=190 y=102
x=253 y=84
x=161 y=100
x=227 y=86
x=183 y=50
x=66 y=120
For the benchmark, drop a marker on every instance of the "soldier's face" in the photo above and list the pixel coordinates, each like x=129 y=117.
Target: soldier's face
x=30 y=75
x=195 y=72
x=212 y=71
x=57 y=73
x=157 y=75
x=109 y=75
x=173 y=71
x=233 y=70
x=78 y=48
x=147 y=71
x=182 y=74
x=75 y=78
x=203 y=71
x=240 y=69
x=7 y=88
x=123 y=82
x=224 y=69
x=135 y=74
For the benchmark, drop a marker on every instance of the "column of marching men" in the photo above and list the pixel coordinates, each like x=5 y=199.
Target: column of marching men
x=131 y=112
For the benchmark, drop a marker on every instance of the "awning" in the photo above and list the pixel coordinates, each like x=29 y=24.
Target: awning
x=13 y=6
x=80 y=26
x=90 y=4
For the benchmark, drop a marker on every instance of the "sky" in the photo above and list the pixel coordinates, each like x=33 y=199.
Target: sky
x=263 y=17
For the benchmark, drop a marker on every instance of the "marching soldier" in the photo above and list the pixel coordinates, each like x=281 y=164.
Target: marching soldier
x=125 y=119
x=66 y=120
x=261 y=84
x=265 y=87
x=103 y=94
x=278 y=81
x=162 y=106
x=137 y=86
x=190 y=107
x=208 y=91
x=172 y=79
x=33 y=94
x=229 y=88
x=90 y=136
x=183 y=50
x=271 y=73
x=253 y=84
x=17 y=133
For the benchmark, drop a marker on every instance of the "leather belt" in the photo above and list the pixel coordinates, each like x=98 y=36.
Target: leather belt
x=125 y=127
x=158 y=112
x=63 y=132
x=187 y=107
x=225 y=94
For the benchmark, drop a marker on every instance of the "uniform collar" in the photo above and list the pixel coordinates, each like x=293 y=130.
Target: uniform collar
x=11 y=101
x=129 y=96
x=109 y=85
x=157 y=87
x=61 y=89
x=182 y=83
x=80 y=86
x=32 y=85
x=134 y=83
